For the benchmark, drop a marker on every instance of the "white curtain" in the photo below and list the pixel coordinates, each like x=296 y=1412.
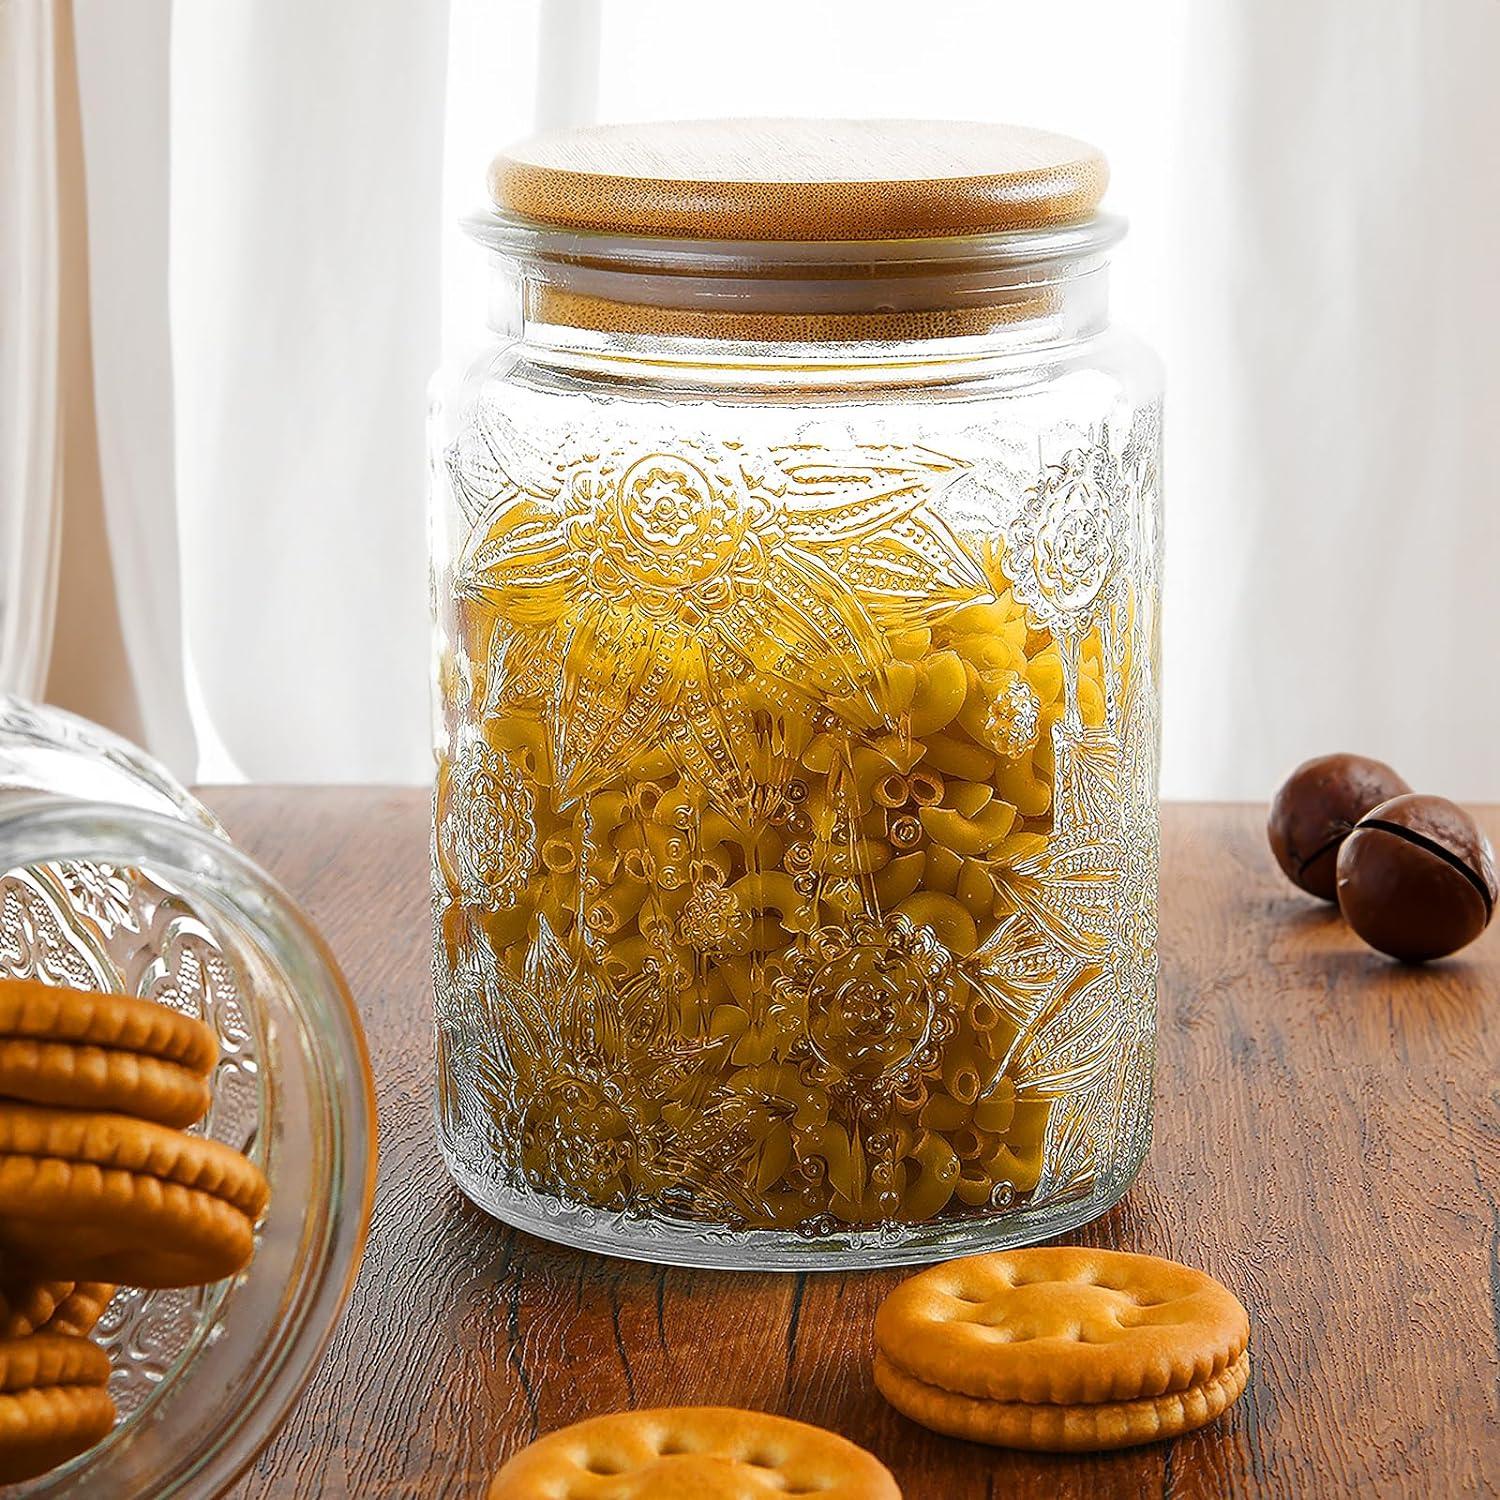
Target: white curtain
x=30 y=470
x=306 y=226
x=265 y=194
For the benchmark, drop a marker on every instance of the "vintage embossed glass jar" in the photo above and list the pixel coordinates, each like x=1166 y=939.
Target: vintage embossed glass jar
x=796 y=550
x=114 y=877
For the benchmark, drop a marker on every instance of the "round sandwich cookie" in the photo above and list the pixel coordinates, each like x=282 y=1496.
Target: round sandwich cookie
x=116 y=1053
x=53 y=1402
x=1062 y=1349
x=693 y=1453
x=101 y=1197
x=28 y=1306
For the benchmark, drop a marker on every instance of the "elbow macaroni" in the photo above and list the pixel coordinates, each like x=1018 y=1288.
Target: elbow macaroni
x=787 y=985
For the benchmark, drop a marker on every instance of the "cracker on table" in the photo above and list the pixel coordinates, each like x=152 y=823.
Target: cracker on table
x=1062 y=1325
x=693 y=1453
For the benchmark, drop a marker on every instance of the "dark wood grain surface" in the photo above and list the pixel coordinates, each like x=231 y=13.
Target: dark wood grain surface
x=1327 y=1142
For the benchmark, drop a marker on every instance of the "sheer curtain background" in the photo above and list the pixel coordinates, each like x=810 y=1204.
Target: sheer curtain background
x=235 y=263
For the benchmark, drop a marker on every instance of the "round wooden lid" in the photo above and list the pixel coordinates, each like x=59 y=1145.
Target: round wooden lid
x=800 y=179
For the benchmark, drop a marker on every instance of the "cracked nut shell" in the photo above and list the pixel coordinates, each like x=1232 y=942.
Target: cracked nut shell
x=1417 y=879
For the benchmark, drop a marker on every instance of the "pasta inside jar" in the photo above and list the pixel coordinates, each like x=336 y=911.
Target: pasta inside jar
x=747 y=839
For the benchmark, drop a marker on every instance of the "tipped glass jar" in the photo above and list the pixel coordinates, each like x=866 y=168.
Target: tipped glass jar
x=795 y=849
x=115 y=878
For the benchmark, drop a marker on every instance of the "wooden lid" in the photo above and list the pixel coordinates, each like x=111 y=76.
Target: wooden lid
x=823 y=180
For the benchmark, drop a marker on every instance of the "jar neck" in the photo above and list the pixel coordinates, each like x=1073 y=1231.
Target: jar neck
x=847 y=302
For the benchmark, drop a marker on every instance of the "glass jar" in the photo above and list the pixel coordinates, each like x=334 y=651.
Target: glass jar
x=795 y=855
x=114 y=877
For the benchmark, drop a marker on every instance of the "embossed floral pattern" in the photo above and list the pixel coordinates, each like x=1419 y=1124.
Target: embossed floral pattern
x=866 y=995
x=712 y=921
x=99 y=892
x=1066 y=537
x=594 y=1064
x=654 y=581
x=796 y=844
x=487 y=828
x=671 y=541
x=1014 y=720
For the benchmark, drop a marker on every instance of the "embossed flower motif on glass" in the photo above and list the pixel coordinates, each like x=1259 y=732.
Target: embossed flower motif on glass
x=1064 y=540
x=639 y=587
x=486 y=828
x=794 y=829
x=100 y=892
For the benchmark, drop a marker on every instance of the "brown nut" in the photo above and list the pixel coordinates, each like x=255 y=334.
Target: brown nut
x=1315 y=809
x=1416 y=878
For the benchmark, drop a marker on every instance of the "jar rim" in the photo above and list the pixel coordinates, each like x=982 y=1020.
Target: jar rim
x=537 y=245
x=805 y=292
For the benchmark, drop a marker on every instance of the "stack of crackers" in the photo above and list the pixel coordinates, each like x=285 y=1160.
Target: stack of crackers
x=100 y=1186
x=1062 y=1349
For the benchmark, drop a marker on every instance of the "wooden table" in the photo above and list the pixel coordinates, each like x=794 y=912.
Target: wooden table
x=1326 y=1142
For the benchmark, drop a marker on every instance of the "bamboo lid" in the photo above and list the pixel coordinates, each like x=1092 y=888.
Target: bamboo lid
x=785 y=180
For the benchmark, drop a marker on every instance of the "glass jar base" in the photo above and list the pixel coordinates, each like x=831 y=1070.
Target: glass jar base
x=668 y=1242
